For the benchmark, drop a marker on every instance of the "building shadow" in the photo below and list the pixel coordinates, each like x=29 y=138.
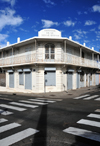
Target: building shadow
x=40 y=138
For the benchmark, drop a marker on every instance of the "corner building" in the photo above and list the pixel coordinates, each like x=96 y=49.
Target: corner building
x=48 y=63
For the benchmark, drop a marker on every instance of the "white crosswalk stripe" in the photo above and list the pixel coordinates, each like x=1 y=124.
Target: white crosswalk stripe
x=17 y=137
x=89 y=122
x=80 y=97
x=9 y=127
x=3 y=120
x=25 y=105
x=12 y=107
x=83 y=133
x=98 y=99
x=32 y=102
x=94 y=116
x=3 y=112
x=49 y=101
x=91 y=97
x=97 y=110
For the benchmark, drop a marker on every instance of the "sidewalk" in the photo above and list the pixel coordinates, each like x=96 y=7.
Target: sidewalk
x=52 y=95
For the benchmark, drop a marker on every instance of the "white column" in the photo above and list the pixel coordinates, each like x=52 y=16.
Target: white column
x=93 y=59
x=80 y=55
x=36 y=49
x=65 y=51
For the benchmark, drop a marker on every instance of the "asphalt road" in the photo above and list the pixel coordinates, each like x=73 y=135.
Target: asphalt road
x=66 y=122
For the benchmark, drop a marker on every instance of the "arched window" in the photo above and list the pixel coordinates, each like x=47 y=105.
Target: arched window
x=49 y=51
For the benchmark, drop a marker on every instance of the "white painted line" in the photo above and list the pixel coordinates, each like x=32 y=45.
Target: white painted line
x=21 y=104
x=94 y=116
x=40 y=103
x=17 y=137
x=83 y=133
x=89 y=122
x=97 y=110
x=98 y=99
x=91 y=97
x=5 y=113
x=3 y=120
x=82 y=96
x=8 y=127
x=12 y=107
x=49 y=101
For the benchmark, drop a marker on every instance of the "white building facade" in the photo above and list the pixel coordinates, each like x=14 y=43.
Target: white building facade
x=48 y=63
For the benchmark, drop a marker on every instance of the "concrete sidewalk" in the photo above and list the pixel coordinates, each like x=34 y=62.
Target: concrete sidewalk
x=52 y=95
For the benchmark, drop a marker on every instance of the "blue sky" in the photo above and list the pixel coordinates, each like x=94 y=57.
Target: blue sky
x=24 y=18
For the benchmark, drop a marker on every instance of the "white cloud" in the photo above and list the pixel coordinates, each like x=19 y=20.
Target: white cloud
x=77 y=36
x=99 y=27
x=3 y=37
x=12 y=2
x=49 y=2
x=48 y=23
x=69 y=23
x=7 y=18
x=96 y=8
x=90 y=22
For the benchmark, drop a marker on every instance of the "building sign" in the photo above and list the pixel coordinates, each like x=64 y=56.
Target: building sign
x=50 y=33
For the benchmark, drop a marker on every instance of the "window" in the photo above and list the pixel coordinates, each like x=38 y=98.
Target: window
x=90 y=77
x=49 y=51
x=21 y=78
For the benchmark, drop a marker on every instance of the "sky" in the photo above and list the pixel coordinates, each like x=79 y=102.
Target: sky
x=24 y=18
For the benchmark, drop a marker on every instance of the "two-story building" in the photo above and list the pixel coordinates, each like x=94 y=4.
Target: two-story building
x=48 y=63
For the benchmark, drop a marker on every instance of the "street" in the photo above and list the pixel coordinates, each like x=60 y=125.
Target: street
x=71 y=120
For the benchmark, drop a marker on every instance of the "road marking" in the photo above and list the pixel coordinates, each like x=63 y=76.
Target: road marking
x=83 y=133
x=89 y=122
x=98 y=99
x=97 y=110
x=21 y=104
x=12 y=107
x=5 y=98
x=91 y=97
x=40 y=103
x=17 y=137
x=79 y=97
x=3 y=120
x=49 y=101
x=8 y=127
x=3 y=112
x=94 y=116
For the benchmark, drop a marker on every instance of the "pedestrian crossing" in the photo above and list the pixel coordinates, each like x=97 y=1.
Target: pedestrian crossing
x=88 y=97
x=91 y=135
x=16 y=137
x=23 y=105
x=10 y=127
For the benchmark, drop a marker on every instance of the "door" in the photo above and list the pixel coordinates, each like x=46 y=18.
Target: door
x=69 y=81
x=28 y=80
x=50 y=78
x=11 y=80
x=78 y=80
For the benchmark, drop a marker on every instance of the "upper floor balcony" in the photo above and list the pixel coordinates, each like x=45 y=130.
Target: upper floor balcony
x=45 y=58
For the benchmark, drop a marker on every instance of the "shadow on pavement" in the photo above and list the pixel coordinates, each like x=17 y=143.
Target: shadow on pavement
x=40 y=137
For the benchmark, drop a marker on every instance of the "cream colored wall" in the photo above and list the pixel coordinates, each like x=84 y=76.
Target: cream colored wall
x=7 y=80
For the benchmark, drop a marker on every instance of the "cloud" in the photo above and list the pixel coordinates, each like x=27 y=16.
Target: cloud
x=99 y=27
x=7 y=18
x=49 y=2
x=3 y=37
x=89 y=22
x=69 y=23
x=11 y=2
x=48 y=23
x=77 y=37
x=96 y=8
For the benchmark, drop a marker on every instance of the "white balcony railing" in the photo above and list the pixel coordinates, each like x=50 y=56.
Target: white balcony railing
x=29 y=58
